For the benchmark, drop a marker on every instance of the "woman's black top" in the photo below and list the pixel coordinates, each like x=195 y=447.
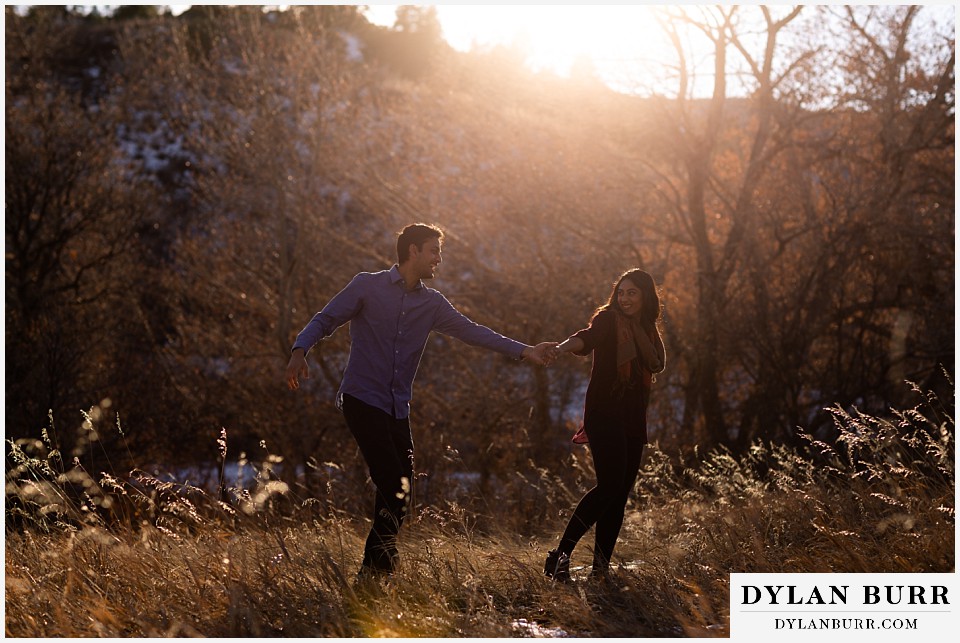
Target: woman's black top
x=610 y=404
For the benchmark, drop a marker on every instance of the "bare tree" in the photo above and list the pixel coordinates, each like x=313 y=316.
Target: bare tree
x=774 y=254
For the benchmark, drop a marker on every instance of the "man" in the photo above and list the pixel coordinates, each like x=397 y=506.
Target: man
x=392 y=313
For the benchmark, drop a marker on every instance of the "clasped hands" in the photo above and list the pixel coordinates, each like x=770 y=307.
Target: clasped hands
x=543 y=354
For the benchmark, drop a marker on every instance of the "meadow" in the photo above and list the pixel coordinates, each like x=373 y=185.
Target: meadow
x=137 y=556
x=183 y=192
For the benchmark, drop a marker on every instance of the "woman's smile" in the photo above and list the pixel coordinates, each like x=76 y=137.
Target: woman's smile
x=629 y=297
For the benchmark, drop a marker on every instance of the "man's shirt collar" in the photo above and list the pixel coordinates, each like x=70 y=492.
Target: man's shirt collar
x=396 y=277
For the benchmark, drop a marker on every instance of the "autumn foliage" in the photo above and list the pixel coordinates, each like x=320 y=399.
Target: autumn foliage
x=183 y=193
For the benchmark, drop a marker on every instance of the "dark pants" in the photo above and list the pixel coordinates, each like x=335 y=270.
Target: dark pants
x=387 y=447
x=616 y=459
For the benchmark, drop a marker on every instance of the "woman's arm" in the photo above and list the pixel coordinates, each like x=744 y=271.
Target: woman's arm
x=571 y=345
x=583 y=342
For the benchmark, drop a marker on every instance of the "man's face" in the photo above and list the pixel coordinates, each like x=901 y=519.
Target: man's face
x=426 y=258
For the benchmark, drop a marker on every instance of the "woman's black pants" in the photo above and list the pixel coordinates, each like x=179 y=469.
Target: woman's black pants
x=387 y=447
x=616 y=459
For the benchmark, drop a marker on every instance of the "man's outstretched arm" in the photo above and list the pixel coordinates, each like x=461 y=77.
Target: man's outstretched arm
x=451 y=321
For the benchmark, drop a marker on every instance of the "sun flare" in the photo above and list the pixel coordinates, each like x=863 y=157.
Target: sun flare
x=551 y=37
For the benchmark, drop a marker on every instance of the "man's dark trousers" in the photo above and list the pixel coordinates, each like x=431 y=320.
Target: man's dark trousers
x=387 y=447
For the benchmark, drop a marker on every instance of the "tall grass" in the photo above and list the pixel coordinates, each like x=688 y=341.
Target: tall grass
x=140 y=555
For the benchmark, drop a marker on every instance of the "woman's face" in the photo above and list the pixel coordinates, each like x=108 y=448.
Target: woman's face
x=629 y=298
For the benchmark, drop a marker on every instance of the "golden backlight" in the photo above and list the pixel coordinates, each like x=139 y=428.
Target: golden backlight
x=552 y=37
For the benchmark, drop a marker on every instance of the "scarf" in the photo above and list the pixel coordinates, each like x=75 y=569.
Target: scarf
x=627 y=331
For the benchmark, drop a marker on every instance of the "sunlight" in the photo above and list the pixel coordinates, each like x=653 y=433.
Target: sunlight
x=614 y=38
x=553 y=37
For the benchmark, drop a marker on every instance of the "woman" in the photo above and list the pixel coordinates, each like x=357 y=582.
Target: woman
x=627 y=351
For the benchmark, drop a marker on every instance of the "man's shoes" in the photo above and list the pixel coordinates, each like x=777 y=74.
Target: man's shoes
x=557 y=566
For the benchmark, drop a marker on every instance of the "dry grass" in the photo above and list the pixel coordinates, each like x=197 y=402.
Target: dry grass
x=142 y=557
x=298 y=581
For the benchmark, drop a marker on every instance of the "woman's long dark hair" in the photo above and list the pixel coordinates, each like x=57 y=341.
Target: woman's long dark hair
x=651 y=309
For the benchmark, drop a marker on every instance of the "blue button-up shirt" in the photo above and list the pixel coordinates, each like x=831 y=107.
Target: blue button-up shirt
x=389 y=326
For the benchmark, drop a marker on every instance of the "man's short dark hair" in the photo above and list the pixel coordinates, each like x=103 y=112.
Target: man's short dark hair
x=415 y=233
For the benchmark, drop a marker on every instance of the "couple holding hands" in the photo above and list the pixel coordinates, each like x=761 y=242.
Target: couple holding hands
x=391 y=315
